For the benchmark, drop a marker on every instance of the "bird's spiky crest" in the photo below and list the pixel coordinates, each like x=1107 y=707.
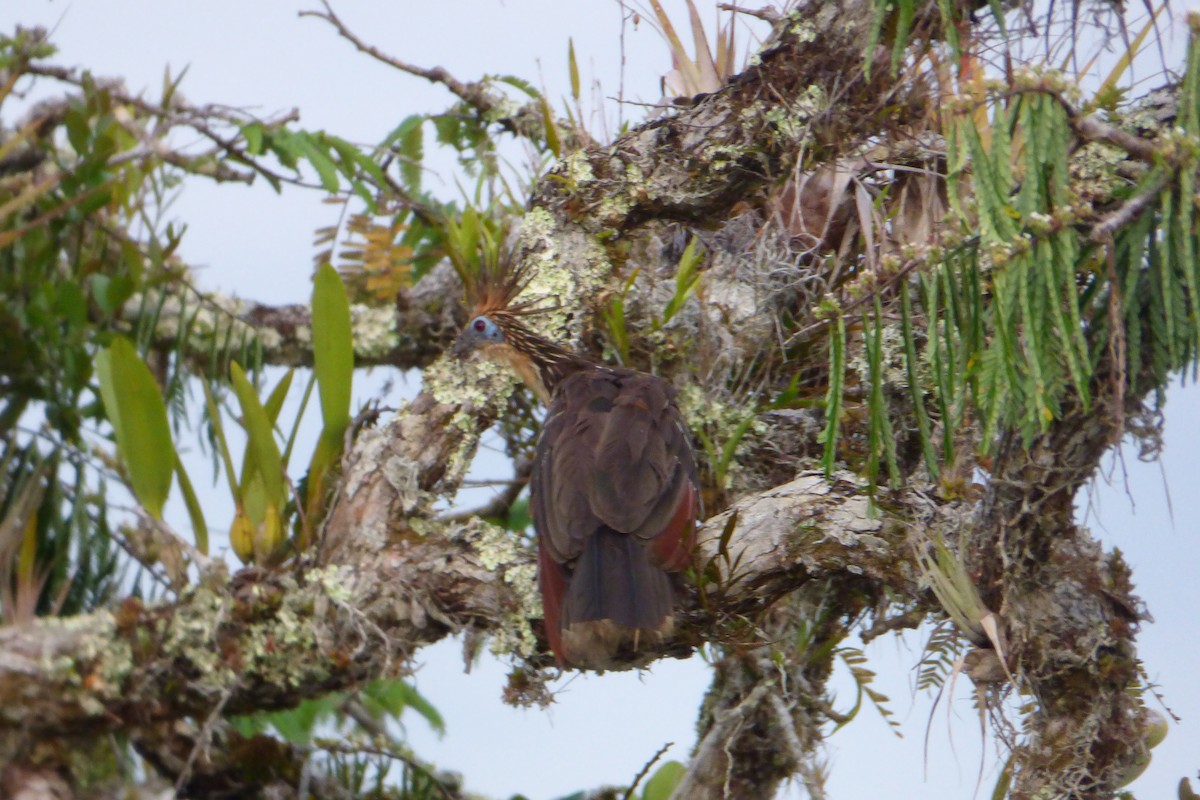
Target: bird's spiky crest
x=481 y=250
x=495 y=287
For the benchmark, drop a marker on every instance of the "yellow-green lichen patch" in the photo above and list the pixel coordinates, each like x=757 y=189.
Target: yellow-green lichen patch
x=634 y=174
x=791 y=120
x=615 y=207
x=278 y=649
x=1094 y=178
x=504 y=553
x=501 y=109
x=475 y=386
x=566 y=268
x=895 y=373
x=716 y=421
x=302 y=336
x=190 y=635
x=115 y=662
x=374 y=330
x=332 y=581
x=404 y=478
x=803 y=31
x=578 y=168
x=98 y=664
x=270 y=339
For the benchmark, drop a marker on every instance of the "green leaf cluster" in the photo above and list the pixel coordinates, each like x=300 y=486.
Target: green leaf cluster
x=266 y=505
x=1037 y=348
x=57 y=554
x=1028 y=313
x=383 y=701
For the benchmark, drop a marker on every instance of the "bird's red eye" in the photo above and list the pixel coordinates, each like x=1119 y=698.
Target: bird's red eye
x=480 y=325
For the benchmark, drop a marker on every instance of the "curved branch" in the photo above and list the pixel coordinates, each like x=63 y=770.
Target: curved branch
x=263 y=640
x=525 y=121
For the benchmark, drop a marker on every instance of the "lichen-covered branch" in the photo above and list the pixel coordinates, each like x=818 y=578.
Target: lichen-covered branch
x=266 y=640
x=1068 y=609
x=407 y=335
x=801 y=91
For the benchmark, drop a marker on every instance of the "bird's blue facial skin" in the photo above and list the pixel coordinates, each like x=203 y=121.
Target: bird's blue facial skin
x=486 y=330
x=479 y=332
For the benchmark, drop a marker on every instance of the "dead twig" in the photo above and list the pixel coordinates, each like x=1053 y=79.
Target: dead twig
x=499 y=505
x=766 y=13
x=645 y=769
x=475 y=94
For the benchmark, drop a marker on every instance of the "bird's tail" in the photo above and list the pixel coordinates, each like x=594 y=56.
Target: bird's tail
x=615 y=600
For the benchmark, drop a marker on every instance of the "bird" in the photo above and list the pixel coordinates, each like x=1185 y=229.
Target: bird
x=614 y=492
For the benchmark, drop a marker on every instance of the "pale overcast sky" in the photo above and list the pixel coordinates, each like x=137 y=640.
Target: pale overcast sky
x=256 y=244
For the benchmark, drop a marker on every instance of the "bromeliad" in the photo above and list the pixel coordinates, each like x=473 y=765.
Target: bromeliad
x=613 y=492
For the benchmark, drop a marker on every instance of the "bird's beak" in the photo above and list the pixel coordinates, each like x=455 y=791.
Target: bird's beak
x=463 y=346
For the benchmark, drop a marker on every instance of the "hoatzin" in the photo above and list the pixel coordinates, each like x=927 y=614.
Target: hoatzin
x=613 y=492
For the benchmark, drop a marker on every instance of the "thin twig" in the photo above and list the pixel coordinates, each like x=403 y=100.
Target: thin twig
x=475 y=94
x=184 y=115
x=203 y=739
x=499 y=505
x=766 y=13
x=866 y=297
x=1130 y=209
x=201 y=163
x=353 y=708
x=645 y=769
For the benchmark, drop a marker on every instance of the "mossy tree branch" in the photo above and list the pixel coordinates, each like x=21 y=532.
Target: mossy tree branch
x=392 y=576
x=265 y=640
x=409 y=334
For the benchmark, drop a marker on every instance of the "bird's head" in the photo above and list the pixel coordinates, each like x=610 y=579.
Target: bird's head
x=481 y=334
x=492 y=285
x=500 y=338
x=497 y=328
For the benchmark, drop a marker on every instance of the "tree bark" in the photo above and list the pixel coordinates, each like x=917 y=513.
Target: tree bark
x=267 y=640
x=391 y=576
x=409 y=334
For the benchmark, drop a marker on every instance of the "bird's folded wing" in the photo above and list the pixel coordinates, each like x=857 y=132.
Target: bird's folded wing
x=614 y=451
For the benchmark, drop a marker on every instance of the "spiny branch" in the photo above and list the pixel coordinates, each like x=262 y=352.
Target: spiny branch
x=502 y=503
x=645 y=770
